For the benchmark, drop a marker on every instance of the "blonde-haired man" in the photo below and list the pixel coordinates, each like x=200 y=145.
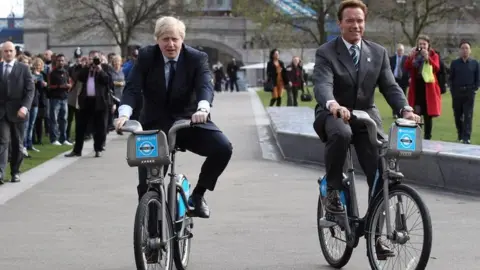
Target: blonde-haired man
x=176 y=83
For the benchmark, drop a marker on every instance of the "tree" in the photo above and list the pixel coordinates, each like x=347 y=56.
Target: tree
x=119 y=19
x=267 y=14
x=415 y=16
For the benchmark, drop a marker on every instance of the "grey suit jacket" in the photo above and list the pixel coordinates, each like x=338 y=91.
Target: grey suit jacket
x=335 y=78
x=19 y=89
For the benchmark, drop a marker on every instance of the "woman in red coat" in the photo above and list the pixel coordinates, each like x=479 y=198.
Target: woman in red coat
x=425 y=98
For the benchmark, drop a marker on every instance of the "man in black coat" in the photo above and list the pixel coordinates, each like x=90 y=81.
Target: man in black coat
x=176 y=83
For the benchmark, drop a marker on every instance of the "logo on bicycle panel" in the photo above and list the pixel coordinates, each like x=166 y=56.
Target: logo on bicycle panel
x=406 y=139
x=146 y=146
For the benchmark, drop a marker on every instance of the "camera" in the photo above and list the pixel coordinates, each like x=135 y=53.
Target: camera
x=419 y=49
x=96 y=61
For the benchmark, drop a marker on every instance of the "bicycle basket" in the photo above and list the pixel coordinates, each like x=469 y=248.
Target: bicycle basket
x=148 y=148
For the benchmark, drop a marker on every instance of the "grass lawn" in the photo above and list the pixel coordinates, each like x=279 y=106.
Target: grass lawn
x=443 y=126
x=47 y=152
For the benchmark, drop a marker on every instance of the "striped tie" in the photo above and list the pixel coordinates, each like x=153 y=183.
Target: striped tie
x=354 y=53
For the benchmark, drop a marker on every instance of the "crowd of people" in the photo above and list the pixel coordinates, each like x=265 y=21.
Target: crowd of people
x=58 y=99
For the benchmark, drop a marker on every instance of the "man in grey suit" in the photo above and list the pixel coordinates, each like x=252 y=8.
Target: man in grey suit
x=16 y=95
x=397 y=65
x=347 y=71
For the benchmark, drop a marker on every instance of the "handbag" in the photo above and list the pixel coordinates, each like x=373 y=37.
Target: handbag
x=306 y=97
x=427 y=73
x=268 y=86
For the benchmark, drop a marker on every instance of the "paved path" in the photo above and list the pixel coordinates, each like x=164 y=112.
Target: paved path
x=263 y=212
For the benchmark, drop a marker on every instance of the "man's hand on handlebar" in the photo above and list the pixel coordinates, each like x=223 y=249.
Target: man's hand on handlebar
x=119 y=122
x=339 y=111
x=412 y=116
x=200 y=117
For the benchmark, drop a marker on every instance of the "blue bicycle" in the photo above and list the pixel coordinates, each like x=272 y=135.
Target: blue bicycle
x=164 y=220
x=339 y=233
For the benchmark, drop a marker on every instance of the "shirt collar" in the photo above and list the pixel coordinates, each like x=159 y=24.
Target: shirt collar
x=11 y=63
x=166 y=59
x=359 y=44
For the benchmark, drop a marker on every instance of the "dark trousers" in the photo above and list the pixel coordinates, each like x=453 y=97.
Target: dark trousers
x=11 y=135
x=212 y=144
x=339 y=137
x=71 y=115
x=292 y=95
x=89 y=114
x=463 y=112
x=38 y=128
x=427 y=121
x=232 y=82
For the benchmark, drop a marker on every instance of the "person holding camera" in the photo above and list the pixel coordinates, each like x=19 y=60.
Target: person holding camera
x=93 y=103
x=424 y=97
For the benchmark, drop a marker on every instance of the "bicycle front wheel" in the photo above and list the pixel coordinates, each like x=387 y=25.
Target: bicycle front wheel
x=333 y=241
x=411 y=243
x=152 y=249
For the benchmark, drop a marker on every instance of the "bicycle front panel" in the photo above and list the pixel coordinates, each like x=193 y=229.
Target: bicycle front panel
x=148 y=148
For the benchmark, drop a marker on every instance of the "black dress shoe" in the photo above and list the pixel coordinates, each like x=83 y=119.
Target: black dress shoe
x=15 y=178
x=200 y=206
x=333 y=203
x=73 y=154
x=382 y=250
x=98 y=154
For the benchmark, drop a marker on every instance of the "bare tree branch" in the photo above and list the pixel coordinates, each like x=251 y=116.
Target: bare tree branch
x=415 y=16
x=266 y=15
x=118 y=19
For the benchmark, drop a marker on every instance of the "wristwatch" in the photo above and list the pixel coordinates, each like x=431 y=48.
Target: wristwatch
x=406 y=109
x=202 y=110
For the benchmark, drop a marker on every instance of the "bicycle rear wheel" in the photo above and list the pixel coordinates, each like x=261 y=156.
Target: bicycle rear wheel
x=336 y=258
x=147 y=236
x=402 y=199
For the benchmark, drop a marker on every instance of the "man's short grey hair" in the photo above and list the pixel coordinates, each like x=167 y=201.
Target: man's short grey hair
x=169 y=24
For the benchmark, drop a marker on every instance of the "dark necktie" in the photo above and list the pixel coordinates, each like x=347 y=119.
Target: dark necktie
x=354 y=53
x=171 y=76
x=6 y=72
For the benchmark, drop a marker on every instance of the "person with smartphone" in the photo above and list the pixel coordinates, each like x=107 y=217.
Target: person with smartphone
x=93 y=103
x=424 y=97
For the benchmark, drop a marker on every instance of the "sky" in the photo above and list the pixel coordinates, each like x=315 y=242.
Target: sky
x=7 y=6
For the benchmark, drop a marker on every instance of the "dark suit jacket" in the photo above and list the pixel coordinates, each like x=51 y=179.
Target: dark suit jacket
x=403 y=82
x=19 y=90
x=102 y=90
x=193 y=82
x=335 y=78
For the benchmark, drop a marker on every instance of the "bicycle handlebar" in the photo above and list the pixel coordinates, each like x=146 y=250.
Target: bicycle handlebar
x=172 y=133
x=363 y=117
x=133 y=126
